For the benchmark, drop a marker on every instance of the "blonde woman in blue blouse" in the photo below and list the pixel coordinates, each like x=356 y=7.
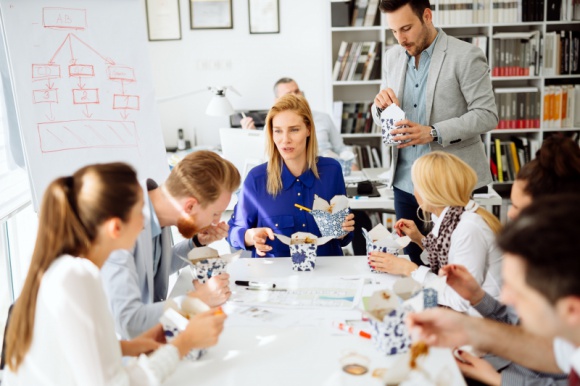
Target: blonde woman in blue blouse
x=293 y=175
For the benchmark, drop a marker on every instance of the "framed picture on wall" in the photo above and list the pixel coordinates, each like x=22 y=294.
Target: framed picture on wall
x=163 y=20
x=211 y=14
x=264 y=16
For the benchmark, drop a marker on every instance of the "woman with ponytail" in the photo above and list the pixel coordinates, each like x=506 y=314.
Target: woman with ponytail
x=61 y=331
x=463 y=233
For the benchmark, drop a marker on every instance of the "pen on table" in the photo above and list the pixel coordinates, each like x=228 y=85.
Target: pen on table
x=302 y=207
x=352 y=330
x=361 y=197
x=248 y=283
x=264 y=289
x=243 y=115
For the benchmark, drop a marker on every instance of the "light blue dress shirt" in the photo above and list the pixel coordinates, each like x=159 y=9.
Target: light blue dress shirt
x=414 y=106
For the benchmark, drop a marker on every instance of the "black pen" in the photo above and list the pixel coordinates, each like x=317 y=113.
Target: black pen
x=256 y=284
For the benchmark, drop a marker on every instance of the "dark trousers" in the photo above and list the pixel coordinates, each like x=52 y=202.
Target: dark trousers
x=406 y=207
x=361 y=220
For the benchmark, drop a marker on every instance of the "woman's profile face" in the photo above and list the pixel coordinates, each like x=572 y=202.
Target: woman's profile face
x=290 y=135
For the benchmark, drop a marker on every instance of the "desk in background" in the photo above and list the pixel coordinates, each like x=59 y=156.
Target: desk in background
x=306 y=351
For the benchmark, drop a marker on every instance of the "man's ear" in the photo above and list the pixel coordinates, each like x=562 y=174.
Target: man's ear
x=569 y=310
x=190 y=204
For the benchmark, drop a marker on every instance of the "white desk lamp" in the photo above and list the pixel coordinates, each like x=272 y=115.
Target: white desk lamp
x=219 y=105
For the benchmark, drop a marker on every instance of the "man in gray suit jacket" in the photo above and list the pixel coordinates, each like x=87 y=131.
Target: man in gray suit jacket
x=443 y=84
x=192 y=198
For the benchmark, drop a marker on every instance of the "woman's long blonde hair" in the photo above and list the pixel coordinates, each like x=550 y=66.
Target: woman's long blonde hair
x=72 y=209
x=443 y=179
x=299 y=105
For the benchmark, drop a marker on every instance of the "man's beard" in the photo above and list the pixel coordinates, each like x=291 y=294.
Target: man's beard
x=186 y=226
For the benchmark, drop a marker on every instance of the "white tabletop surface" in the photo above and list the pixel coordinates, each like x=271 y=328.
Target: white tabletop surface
x=303 y=348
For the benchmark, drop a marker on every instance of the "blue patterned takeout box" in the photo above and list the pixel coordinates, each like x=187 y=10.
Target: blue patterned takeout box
x=330 y=216
x=176 y=317
x=303 y=247
x=205 y=262
x=387 y=312
x=389 y=117
x=380 y=239
x=345 y=159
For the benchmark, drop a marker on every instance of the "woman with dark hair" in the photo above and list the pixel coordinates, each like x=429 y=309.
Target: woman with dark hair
x=556 y=169
x=61 y=331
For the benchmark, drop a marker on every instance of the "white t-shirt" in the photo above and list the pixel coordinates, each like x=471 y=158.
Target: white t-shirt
x=74 y=341
x=473 y=246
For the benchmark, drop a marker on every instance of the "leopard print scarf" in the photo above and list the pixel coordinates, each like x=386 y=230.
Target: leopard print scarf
x=438 y=247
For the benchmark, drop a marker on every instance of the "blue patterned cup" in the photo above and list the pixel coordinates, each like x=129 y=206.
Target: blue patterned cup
x=303 y=257
x=173 y=323
x=205 y=269
x=430 y=299
x=391 y=336
x=346 y=166
x=373 y=247
x=330 y=224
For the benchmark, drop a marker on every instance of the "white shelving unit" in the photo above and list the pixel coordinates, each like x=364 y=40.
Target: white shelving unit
x=354 y=91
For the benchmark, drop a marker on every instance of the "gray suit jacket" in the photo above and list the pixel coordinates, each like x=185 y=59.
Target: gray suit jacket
x=460 y=100
x=135 y=295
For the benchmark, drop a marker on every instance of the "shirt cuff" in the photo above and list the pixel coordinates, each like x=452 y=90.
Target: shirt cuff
x=420 y=273
x=486 y=305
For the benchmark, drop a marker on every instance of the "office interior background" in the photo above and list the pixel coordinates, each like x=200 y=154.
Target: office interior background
x=305 y=49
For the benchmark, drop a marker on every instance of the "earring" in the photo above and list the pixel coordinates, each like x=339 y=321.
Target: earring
x=419 y=210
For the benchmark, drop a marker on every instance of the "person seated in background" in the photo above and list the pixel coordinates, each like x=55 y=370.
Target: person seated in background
x=329 y=138
x=61 y=331
x=540 y=276
x=293 y=174
x=196 y=193
x=463 y=233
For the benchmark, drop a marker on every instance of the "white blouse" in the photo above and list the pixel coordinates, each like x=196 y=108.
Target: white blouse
x=473 y=245
x=74 y=341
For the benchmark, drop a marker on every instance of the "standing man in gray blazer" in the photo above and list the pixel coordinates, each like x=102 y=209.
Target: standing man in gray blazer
x=443 y=84
x=193 y=197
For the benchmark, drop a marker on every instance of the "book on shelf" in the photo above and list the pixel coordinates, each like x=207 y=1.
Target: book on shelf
x=508 y=156
x=561 y=109
x=518 y=107
x=372 y=16
x=357 y=60
x=516 y=53
x=561 y=53
x=453 y=12
x=340 y=13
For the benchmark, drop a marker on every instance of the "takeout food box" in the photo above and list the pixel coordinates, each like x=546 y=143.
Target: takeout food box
x=330 y=216
x=387 y=312
x=345 y=159
x=176 y=316
x=205 y=262
x=303 y=247
x=380 y=239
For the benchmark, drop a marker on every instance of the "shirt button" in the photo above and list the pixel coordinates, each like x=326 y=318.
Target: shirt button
x=298 y=193
x=298 y=179
x=415 y=105
x=303 y=225
x=276 y=224
x=416 y=85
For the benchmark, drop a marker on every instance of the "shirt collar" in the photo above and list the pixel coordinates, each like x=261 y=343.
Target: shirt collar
x=437 y=221
x=428 y=50
x=288 y=179
x=155 y=227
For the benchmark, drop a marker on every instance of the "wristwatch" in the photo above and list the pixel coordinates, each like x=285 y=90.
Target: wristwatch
x=434 y=134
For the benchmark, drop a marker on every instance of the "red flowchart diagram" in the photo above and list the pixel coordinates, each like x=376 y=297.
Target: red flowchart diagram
x=76 y=60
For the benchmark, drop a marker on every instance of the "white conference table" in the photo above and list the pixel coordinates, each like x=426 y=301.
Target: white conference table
x=304 y=349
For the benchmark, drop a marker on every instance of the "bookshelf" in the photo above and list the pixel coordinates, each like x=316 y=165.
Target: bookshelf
x=514 y=36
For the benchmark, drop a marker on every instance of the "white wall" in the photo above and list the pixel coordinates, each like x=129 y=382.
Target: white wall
x=249 y=62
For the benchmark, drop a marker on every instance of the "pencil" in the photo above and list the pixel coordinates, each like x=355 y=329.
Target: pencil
x=302 y=207
x=243 y=115
x=352 y=330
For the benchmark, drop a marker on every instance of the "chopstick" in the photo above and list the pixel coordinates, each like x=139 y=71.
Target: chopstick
x=302 y=207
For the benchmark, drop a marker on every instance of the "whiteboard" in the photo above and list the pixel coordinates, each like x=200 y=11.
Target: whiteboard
x=83 y=90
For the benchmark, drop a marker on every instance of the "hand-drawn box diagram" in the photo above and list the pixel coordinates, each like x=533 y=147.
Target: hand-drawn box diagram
x=86 y=133
x=85 y=65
